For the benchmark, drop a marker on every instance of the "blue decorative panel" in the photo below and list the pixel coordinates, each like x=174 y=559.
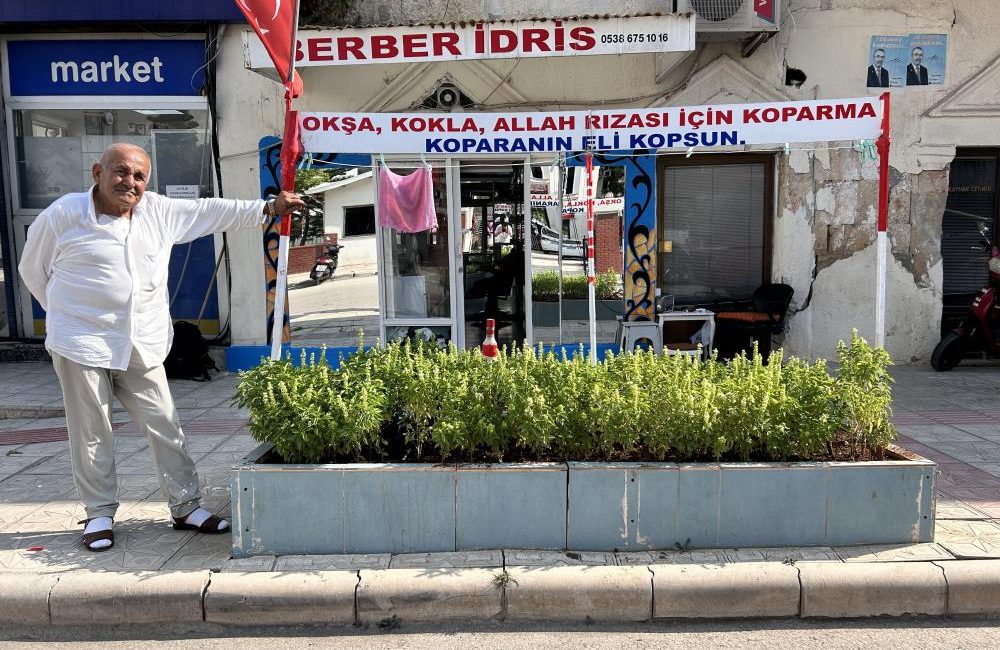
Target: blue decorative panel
x=639 y=226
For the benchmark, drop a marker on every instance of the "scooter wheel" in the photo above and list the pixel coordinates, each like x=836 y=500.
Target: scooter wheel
x=949 y=352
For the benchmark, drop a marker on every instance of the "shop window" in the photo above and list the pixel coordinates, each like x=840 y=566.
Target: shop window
x=715 y=228
x=359 y=220
x=55 y=150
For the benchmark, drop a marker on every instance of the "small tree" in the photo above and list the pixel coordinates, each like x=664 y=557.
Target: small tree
x=310 y=224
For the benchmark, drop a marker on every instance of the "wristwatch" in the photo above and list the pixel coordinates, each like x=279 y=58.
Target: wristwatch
x=271 y=207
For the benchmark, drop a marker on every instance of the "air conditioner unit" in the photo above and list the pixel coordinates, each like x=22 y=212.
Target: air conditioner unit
x=735 y=17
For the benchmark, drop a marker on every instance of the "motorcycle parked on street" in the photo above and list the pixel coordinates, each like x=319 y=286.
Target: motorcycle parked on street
x=980 y=329
x=326 y=263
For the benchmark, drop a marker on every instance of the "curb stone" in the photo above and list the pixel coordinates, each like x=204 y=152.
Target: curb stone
x=24 y=598
x=108 y=598
x=553 y=593
x=577 y=593
x=874 y=589
x=276 y=598
x=973 y=586
x=744 y=590
x=428 y=595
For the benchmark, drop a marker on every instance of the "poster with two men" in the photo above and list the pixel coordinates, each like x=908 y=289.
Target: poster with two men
x=911 y=60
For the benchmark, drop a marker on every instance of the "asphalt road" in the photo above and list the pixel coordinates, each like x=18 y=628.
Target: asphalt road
x=912 y=634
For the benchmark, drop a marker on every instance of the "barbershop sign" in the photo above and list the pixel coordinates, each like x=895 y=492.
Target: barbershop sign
x=484 y=40
x=673 y=127
x=130 y=67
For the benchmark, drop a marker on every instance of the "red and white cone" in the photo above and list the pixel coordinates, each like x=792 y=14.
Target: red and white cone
x=489 y=347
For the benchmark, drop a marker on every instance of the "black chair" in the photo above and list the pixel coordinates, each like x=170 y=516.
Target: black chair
x=737 y=330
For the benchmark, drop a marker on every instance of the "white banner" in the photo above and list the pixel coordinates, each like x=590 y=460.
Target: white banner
x=574 y=205
x=484 y=40
x=673 y=127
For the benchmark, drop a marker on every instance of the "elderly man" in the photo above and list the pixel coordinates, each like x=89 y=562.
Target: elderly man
x=97 y=263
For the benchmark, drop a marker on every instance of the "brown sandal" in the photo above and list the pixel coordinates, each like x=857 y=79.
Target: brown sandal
x=210 y=526
x=90 y=538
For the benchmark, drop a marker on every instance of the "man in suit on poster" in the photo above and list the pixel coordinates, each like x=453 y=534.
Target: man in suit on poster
x=878 y=76
x=916 y=72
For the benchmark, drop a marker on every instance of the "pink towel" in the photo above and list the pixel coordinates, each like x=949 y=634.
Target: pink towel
x=406 y=203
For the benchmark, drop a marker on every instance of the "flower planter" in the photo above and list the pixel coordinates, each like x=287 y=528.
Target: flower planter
x=546 y=314
x=411 y=508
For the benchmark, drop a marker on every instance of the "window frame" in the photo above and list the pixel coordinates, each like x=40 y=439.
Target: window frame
x=768 y=161
x=355 y=207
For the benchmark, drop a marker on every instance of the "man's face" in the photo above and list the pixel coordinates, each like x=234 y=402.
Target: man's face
x=879 y=58
x=918 y=57
x=122 y=180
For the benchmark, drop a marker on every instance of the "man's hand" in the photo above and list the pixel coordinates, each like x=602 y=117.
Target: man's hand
x=288 y=202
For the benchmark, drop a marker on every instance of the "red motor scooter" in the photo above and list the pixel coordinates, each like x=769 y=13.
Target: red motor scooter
x=326 y=263
x=980 y=330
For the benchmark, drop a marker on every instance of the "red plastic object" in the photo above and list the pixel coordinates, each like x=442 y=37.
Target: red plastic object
x=490 y=350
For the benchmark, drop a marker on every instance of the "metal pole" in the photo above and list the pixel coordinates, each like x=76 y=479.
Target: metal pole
x=287 y=177
x=591 y=279
x=561 y=159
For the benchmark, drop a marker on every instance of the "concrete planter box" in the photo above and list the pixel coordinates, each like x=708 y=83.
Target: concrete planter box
x=413 y=508
x=546 y=314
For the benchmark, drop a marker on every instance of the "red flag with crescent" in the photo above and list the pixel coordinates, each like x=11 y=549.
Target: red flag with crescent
x=275 y=24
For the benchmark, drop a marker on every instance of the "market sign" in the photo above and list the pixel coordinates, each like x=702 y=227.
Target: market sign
x=131 y=67
x=485 y=40
x=669 y=127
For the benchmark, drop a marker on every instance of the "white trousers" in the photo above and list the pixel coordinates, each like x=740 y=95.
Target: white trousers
x=88 y=394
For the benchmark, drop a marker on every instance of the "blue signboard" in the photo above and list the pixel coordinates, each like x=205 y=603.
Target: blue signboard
x=123 y=11
x=106 y=67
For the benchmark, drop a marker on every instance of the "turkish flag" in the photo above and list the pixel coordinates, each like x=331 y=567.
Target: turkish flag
x=274 y=21
x=291 y=149
x=764 y=9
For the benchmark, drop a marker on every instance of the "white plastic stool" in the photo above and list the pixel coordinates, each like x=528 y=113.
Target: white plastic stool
x=632 y=331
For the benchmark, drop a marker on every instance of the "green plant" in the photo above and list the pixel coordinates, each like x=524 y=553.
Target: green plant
x=414 y=401
x=864 y=393
x=503 y=579
x=545 y=286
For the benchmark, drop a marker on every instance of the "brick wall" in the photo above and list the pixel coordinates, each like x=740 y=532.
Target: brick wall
x=607 y=243
x=301 y=258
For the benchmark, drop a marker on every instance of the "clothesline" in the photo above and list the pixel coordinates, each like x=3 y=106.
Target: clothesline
x=438 y=164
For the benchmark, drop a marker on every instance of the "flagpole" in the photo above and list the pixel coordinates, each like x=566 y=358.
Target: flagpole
x=284 y=238
x=591 y=279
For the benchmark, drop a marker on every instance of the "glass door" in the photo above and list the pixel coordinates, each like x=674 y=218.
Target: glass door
x=416 y=269
x=493 y=278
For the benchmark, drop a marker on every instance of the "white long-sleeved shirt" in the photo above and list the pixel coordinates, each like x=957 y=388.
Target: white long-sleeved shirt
x=102 y=280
